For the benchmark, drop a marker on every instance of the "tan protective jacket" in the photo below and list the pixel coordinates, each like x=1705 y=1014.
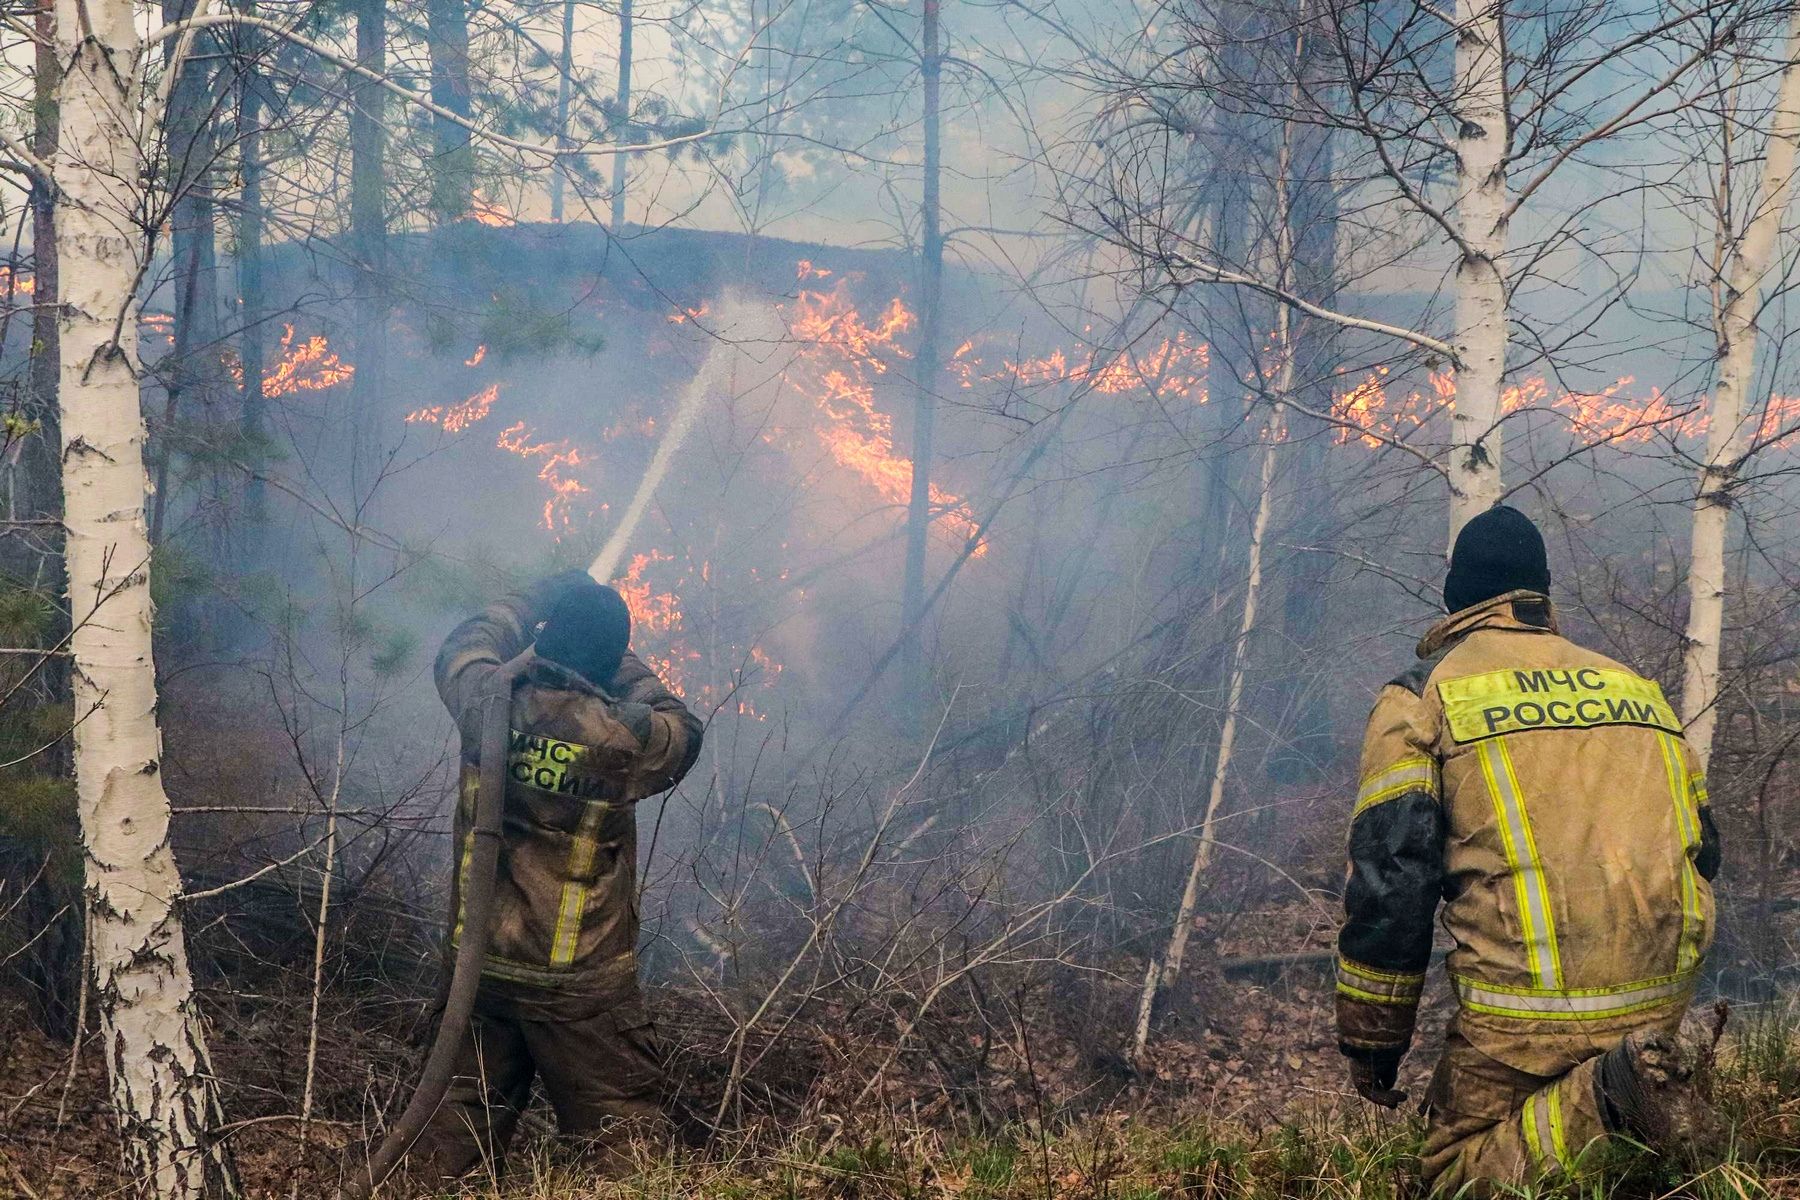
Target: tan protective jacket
x=1545 y=793
x=581 y=756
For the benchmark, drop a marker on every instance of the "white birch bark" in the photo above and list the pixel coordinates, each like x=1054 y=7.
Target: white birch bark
x=1160 y=976
x=162 y=1086
x=1481 y=144
x=1164 y=976
x=1732 y=420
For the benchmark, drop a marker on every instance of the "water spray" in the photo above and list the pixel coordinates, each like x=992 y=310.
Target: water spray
x=742 y=326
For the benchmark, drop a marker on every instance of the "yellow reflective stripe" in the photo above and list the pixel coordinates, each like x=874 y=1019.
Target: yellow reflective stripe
x=1559 y=1144
x=1408 y=775
x=1378 y=987
x=1519 y=699
x=1356 y=993
x=1697 y=789
x=1572 y=1004
x=1397 y=999
x=574 y=891
x=1687 y=821
x=1529 y=884
x=1534 y=1142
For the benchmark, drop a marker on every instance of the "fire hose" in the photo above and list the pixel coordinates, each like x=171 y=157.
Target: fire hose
x=471 y=951
x=745 y=322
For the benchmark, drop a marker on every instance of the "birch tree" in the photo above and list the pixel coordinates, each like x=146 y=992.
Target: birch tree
x=1275 y=383
x=1480 y=233
x=162 y=1084
x=1747 y=262
x=1448 y=124
x=98 y=174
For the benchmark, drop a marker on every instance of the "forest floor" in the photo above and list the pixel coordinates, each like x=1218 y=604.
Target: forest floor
x=1262 y=1114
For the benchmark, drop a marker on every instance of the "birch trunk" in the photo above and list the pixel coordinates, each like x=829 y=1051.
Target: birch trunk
x=162 y=1085
x=1480 y=103
x=1732 y=422
x=1159 y=977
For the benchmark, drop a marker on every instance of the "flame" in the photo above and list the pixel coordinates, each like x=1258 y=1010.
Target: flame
x=690 y=314
x=474 y=360
x=454 y=418
x=162 y=325
x=1365 y=406
x=1175 y=369
x=490 y=212
x=660 y=636
x=652 y=612
x=1782 y=413
x=17 y=283
x=1610 y=416
x=312 y=366
x=560 y=460
x=841 y=356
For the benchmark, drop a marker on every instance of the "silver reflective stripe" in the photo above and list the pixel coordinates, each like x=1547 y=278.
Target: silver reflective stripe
x=1584 y=1003
x=1529 y=884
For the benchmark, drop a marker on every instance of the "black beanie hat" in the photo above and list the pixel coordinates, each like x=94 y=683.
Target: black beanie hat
x=1498 y=552
x=587 y=631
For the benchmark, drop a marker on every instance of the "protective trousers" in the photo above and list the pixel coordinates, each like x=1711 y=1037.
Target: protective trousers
x=599 y=1063
x=1493 y=1124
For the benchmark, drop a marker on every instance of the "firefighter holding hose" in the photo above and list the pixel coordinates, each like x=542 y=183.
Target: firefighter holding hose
x=1544 y=793
x=590 y=731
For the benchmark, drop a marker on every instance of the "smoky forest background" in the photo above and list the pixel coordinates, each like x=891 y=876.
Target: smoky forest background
x=1081 y=395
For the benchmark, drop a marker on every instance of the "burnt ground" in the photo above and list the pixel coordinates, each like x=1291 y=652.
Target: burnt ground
x=1247 y=1045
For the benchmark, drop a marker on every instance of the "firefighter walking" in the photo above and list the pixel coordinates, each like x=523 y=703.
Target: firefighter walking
x=1544 y=793
x=593 y=731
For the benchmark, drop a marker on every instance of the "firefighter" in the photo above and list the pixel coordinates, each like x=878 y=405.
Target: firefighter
x=593 y=731
x=1545 y=793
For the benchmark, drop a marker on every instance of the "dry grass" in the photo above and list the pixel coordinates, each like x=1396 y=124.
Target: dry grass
x=1332 y=1153
x=1134 y=1148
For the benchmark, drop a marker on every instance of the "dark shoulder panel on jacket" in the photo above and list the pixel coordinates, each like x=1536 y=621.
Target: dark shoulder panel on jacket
x=1414 y=677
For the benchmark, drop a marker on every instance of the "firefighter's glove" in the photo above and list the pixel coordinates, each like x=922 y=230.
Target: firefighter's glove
x=1374 y=1077
x=635 y=717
